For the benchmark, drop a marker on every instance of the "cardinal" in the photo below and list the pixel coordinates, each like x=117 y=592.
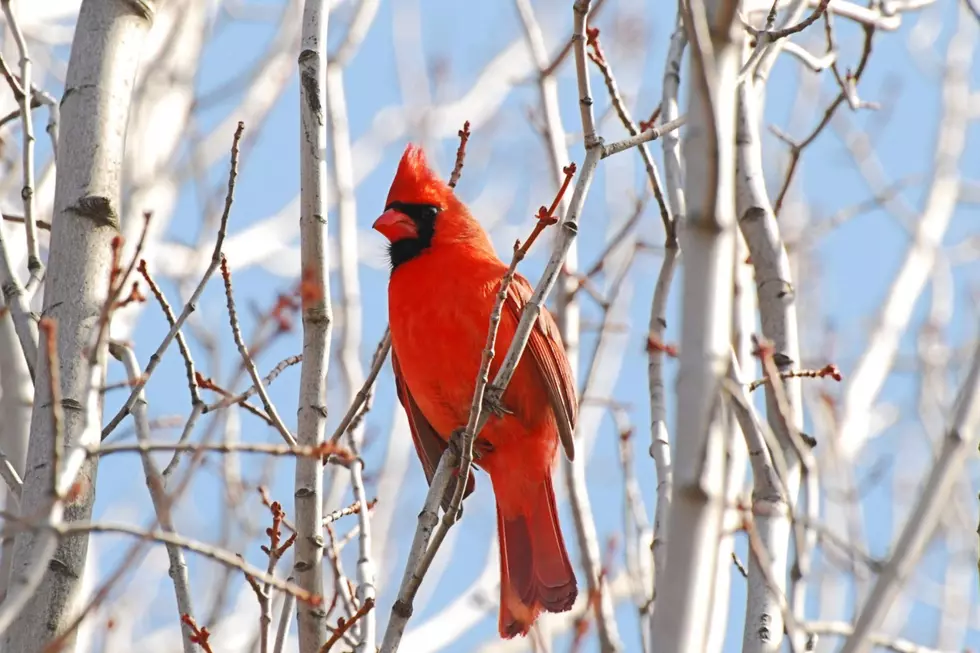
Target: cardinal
x=445 y=277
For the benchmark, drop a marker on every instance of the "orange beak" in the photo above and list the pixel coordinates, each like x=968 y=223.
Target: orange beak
x=395 y=225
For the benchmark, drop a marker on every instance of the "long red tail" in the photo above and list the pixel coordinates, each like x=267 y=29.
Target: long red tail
x=535 y=573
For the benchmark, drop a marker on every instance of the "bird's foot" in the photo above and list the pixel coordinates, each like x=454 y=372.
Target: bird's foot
x=456 y=442
x=481 y=446
x=493 y=402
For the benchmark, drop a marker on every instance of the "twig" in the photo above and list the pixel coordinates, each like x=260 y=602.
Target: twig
x=464 y=137
x=22 y=93
x=199 y=635
x=796 y=149
x=16 y=301
x=274 y=551
x=19 y=219
x=344 y=625
x=284 y=619
x=172 y=321
x=10 y=476
x=201 y=548
x=343 y=589
x=191 y=304
x=366 y=590
x=161 y=502
x=231 y=400
x=598 y=57
x=352 y=509
x=325 y=450
x=828 y=370
x=363 y=395
x=651 y=134
x=247 y=360
x=183 y=441
x=774 y=35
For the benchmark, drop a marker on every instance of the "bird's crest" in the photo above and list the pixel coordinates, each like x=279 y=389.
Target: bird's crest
x=415 y=182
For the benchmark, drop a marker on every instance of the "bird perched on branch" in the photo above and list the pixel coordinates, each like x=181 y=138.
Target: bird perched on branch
x=445 y=277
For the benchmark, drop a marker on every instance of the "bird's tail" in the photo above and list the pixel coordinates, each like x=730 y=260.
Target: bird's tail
x=535 y=573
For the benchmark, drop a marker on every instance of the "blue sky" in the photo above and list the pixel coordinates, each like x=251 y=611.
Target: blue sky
x=856 y=261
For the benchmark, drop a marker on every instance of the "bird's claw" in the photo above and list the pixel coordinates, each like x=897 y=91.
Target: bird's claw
x=456 y=442
x=493 y=403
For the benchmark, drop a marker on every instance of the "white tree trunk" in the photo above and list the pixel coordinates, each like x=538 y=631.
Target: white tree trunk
x=316 y=322
x=104 y=59
x=684 y=595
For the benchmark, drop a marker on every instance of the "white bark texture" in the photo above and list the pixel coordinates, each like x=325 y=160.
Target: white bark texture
x=659 y=435
x=684 y=595
x=316 y=322
x=16 y=399
x=743 y=327
x=777 y=308
x=94 y=112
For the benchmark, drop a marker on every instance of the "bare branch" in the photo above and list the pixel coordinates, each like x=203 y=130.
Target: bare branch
x=161 y=503
x=191 y=304
x=247 y=361
x=23 y=95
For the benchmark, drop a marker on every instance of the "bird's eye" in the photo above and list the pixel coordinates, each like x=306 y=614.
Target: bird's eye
x=428 y=212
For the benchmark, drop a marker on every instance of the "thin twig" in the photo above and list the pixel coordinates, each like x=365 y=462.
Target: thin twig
x=247 y=360
x=344 y=625
x=17 y=303
x=361 y=399
x=651 y=134
x=172 y=321
x=830 y=370
x=201 y=548
x=325 y=450
x=22 y=93
x=231 y=400
x=161 y=502
x=598 y=57
x=191 y=304
x=464 y=137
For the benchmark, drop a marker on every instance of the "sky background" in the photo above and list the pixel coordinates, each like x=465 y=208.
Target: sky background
x=505 y=179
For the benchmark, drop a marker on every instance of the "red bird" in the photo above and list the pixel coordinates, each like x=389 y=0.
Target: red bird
x=444 y=279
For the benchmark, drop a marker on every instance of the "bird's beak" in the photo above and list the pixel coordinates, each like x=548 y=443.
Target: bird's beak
x=395 y=225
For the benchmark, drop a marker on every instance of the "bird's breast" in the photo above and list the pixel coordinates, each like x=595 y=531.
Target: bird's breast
x=439 y=314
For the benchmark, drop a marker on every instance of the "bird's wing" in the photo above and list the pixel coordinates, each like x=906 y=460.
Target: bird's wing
x=548 y=354
x=428 y=445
